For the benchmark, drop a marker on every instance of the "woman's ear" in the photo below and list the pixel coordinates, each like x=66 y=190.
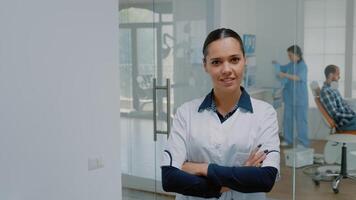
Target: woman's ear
x=204 y=65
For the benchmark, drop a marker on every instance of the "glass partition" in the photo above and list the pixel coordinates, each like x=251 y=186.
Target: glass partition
x=162 y=40
x=327 y=29
x=159 y=41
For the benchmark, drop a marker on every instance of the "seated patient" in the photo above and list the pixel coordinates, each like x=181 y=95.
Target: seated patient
x=336 y=106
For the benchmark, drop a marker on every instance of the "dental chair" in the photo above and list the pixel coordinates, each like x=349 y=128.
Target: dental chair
x=342 y=137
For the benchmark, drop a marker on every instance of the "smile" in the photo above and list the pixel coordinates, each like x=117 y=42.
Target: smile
x=227 y=81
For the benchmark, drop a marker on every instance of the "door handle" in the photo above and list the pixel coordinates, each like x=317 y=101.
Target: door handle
x=167 y=88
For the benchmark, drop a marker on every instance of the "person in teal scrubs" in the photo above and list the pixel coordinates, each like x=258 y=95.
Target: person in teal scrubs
x=295 y=95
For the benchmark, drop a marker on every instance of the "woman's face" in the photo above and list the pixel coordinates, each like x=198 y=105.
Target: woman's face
x=225 y=64
x=293 y=57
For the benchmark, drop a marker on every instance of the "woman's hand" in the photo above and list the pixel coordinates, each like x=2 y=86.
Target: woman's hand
x=289 y=76
x=224 y=189
x=199 y=169
x=274 y=62
x=282 y=75
x=256 y=158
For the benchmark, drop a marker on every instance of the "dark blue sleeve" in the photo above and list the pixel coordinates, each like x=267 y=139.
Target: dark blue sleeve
x=243 y=179
x=176 y=180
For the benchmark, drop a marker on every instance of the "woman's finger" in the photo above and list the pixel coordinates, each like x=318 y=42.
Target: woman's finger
x=259 y=157
x=253 y=156
x=259 y=161
x=256 y=156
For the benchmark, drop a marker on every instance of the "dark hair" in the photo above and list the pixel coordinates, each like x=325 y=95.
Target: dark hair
x=295 y=49
x=330 y=69
x=220 y=34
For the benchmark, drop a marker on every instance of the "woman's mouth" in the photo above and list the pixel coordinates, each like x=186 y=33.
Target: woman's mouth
x=227 y=81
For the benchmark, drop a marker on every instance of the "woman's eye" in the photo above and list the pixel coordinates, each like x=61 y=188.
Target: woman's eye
x=215 y=62
x=235 y=60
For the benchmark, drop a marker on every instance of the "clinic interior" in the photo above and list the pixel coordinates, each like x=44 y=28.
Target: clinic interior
x=162 y=39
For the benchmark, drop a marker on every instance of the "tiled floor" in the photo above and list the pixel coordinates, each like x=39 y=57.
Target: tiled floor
x=305 y=187
x=129 y=194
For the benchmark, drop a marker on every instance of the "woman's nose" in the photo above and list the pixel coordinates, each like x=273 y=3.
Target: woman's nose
x=226 y=68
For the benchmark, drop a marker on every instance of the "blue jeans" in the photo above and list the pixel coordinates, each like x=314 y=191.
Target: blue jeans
x=298 y=114
x=351 y=126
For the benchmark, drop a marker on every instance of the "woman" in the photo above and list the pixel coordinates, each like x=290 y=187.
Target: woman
x=225 y=145
x=295 y=96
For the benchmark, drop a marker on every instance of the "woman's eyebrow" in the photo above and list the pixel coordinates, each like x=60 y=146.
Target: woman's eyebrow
x=217 y=58
x=235 y=55
x=230 y=56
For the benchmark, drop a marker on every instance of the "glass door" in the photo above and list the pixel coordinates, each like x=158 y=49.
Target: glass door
x=160 y=68
x=137 y=69
x=180 y=37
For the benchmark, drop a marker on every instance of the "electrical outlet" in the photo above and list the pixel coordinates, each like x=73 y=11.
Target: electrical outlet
x=95 y=163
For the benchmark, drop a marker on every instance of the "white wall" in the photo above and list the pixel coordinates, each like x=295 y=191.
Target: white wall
x=239 y=15
x=59 y=99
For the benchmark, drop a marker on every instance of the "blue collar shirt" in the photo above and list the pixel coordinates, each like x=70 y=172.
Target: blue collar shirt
x=336 y=106
x=209 y=104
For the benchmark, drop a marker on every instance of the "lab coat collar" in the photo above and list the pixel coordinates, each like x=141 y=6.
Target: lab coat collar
x=244 y=101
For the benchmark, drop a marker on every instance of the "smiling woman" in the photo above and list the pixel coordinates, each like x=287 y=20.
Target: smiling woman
x=225 y=64
x=219 y=145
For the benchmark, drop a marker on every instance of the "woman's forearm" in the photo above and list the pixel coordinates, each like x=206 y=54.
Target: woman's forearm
x=243 y=179
x=199 y=169
x=289 y=76
x=255 y=159
x=293 y=77
x=176 y=180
